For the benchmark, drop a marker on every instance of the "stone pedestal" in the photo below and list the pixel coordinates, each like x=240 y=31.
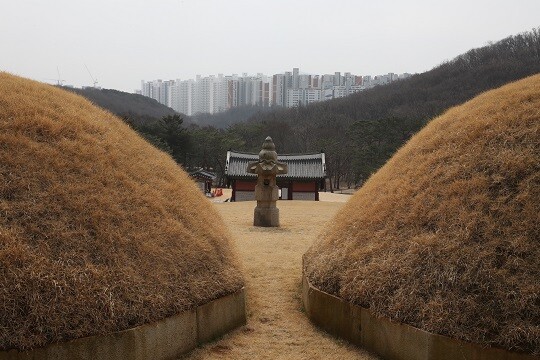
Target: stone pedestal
x=266 y=191
x=267 y=217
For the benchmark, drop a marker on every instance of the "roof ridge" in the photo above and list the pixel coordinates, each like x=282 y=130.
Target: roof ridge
x=279 y=154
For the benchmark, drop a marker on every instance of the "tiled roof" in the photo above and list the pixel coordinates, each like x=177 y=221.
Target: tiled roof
x=300 y=166
x=201 y=173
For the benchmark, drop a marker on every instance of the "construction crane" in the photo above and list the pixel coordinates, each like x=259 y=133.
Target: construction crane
x=59 y=81
x=89 y=73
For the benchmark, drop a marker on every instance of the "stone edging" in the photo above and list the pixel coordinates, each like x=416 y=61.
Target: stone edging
x=165 y=339
x=390 y=340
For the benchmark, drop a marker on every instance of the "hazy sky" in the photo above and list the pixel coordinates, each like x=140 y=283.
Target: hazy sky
x=123 y=42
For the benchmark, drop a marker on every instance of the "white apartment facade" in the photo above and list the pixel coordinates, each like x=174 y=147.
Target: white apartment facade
x=213 y=94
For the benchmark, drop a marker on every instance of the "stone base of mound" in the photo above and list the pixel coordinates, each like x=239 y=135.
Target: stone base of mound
x=390 y=340
x=165 y=339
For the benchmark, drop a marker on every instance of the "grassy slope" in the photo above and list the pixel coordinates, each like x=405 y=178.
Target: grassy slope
x=99 y=231
x=446 y=235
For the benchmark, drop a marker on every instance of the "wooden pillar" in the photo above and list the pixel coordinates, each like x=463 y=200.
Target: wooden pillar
x=289 y=195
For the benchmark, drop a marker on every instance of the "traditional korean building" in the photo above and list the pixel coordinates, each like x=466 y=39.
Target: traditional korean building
x=204 y=179
x=306 y=176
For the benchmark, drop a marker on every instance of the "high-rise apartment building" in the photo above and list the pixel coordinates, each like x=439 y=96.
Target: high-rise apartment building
x=304 y=82
x=337 y=79
x=295 y=78
x=213 y=94
x=302 y=97
x=203 y=101
x=220 y=89
x=186 y=91
x=315 y=82
x=327 y=81
x=157 y=90
x=279 y=92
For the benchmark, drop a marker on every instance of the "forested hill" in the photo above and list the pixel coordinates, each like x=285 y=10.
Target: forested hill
x=449 y=84
x=360 y=132
x=230 y=117
x=137 y=108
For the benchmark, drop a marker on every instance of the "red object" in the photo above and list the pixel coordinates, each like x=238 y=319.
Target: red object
x=217 y=192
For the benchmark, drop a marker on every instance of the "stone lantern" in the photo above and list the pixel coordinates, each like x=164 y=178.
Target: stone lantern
x=266 y=191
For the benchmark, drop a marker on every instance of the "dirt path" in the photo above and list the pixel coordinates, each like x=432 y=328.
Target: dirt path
x=277 y=327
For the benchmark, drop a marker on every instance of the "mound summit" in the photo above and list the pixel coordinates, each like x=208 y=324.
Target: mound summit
x=446 y=236
x=99 y=231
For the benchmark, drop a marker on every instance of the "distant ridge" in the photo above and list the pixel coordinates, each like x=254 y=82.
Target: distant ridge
x=137 y=108
x=428 y=94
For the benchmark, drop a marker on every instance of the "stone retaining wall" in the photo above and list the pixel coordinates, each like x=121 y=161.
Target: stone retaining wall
x=165 y=339
x=390 y=340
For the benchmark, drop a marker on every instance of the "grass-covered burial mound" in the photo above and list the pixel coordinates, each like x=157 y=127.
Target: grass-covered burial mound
x=99 y=231
x=446 y=236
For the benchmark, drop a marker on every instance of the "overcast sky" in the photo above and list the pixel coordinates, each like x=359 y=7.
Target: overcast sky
x=122 y=42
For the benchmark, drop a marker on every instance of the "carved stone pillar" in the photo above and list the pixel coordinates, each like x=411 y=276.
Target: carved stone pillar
x=266 y=191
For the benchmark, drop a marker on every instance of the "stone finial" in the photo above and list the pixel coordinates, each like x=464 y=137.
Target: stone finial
x=267 y=163
x=268 y=152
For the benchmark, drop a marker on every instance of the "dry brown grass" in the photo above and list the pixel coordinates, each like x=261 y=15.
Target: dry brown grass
x=99 y=231
x=277 y=327
x=446 y=236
